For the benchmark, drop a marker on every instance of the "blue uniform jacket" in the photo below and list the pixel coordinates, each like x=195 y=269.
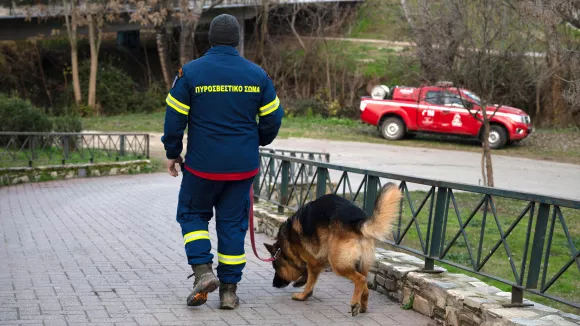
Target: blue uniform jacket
x=230 y=107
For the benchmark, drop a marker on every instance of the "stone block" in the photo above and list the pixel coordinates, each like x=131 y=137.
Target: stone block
x=390 y=284
x=95 y=173
x=54 y=174
x=451 y=317
x=557 y=320
x=113 y=171
x=69 y=175
x=380 y=280
x=371 y=278
x=423 y=306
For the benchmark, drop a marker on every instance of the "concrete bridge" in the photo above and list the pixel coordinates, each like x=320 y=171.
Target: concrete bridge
x=14 y=14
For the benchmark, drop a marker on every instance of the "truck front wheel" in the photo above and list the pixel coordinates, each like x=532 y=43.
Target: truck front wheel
x=497 y=137
x=393 y=129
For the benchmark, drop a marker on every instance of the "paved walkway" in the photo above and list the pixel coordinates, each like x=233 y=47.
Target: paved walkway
x=107 y=251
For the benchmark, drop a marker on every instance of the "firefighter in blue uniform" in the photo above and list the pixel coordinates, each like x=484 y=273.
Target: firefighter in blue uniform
x=230 y=108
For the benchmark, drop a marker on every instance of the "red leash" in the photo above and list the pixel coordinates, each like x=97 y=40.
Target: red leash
x=252 y=240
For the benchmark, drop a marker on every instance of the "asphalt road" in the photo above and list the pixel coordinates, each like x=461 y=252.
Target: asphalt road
x=513 y=173
x=520 y=174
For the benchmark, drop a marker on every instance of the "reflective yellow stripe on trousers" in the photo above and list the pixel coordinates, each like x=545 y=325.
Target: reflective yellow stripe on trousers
x=231 y=260
x=195 y=235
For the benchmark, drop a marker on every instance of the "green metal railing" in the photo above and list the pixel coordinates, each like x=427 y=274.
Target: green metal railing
x=486 y=219
x=33 y=148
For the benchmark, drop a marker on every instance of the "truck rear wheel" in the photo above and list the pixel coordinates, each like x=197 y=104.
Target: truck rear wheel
x=393 y=129
x=497 y=137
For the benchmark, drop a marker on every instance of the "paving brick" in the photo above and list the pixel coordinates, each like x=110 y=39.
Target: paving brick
x=106 y=251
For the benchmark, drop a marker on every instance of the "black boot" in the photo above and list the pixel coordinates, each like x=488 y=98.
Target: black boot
x=205 y=282
x=228 y=297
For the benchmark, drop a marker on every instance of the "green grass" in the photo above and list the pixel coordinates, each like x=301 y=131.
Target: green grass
x=508 y=210
x=549 y=144
x=383 y=20
x=567 y=287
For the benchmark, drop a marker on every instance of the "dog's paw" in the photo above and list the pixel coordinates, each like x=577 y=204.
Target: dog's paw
x=301 y=296
x=363 y=309
x=355 y=309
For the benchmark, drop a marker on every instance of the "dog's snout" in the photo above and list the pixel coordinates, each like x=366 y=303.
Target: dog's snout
x=279 y=283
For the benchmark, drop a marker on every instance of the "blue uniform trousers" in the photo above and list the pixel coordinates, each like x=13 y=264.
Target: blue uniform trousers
x=231 y=199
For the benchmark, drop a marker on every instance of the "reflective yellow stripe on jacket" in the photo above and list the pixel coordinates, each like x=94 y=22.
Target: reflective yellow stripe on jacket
x=176 y=105
x=270 y=107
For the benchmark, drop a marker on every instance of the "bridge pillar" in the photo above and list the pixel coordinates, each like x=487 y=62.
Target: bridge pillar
x=129 y=39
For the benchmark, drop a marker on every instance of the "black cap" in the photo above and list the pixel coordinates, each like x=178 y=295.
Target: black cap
x=224 y=30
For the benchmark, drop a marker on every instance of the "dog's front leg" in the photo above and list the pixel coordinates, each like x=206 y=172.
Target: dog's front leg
x=313 y=272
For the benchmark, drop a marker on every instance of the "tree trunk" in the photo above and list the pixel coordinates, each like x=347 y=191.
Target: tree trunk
x=488 y=171
x=94 y=46
x=39 y=56
x=263 y=32
x=186 y=42
x=71 y=27
x=554 y=112
x=160 y=37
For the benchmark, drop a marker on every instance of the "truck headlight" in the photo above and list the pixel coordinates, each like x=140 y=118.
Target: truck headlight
x=519 y=118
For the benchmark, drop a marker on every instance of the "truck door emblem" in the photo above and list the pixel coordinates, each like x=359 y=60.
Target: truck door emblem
x=456 y=120
x=429 y=113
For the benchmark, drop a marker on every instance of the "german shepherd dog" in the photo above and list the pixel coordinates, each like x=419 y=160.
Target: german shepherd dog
x=332 y=231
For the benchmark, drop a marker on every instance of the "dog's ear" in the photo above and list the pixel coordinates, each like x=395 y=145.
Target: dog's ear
x=270 y=248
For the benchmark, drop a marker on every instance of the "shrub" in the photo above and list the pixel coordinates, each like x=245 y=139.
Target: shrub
x=20 y=115
x=117 y=93
x=148 y=101
x=68 y=123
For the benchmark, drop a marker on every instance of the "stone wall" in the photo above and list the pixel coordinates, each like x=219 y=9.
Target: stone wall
x=449 y=299
x=18 y=175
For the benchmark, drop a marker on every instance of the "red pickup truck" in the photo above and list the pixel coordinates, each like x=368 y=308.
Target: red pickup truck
x=440 y=109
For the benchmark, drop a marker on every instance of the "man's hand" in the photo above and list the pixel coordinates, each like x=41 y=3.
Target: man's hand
x=171 y=166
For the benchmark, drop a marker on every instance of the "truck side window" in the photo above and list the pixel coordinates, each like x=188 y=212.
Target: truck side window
x=434 y=97
x=451 y=99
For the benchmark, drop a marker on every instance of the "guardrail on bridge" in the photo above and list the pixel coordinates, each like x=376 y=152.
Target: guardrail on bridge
x=34 y=148
x=461 y=225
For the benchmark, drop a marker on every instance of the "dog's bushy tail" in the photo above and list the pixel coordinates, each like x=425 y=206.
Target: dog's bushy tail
x=385 y=212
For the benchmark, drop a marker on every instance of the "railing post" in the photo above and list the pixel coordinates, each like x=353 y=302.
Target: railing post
x=437 y=240
x=66 y=146
x=321 y=178
x=272 y=171
x=284 y=183
x=256 y=185
x=147 y=140
x=292 y=165
x=121 y=145
x=310 y=169
x=538 y=246
x=370 y=194
x=33 y=154
x=517 y=299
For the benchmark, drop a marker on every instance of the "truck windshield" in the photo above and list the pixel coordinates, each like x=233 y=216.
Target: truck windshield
x=472 y=96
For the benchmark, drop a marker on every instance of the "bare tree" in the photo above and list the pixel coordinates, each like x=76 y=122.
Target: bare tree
x=550 y=15
x=156 y=13
x=71 y=16
x=440 y=45
x=96 y=12
x=189 y=19
x=480 y=47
